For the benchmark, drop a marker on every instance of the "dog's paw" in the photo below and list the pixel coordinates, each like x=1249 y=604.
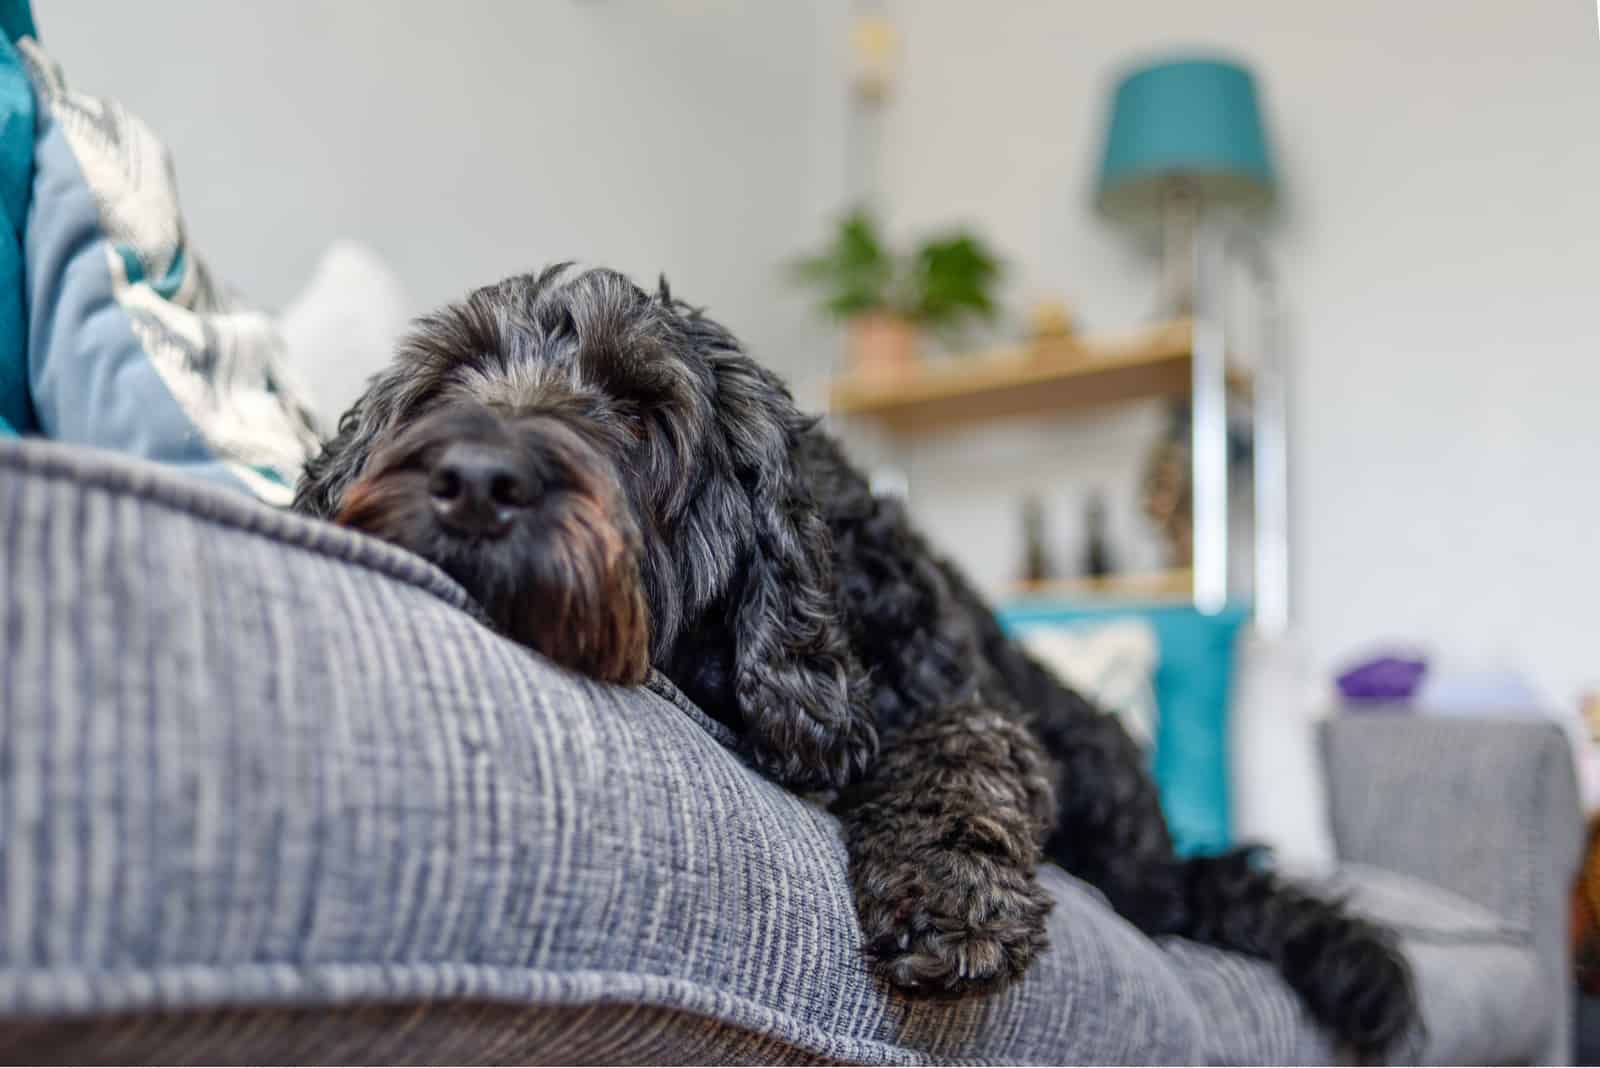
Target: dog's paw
x=944 y=838
x=947 y=923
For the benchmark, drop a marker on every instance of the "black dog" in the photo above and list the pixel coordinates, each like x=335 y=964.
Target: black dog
x=620 y=486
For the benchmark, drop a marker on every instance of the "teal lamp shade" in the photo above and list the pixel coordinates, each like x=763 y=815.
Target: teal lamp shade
x=1193 y=124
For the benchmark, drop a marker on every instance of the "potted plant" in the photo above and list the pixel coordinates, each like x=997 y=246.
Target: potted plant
x=886 y=300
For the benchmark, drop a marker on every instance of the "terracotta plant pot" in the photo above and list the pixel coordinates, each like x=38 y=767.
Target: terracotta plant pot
x=883 y=345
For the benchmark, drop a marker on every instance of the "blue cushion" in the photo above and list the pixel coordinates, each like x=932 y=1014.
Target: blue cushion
x=132 y=344
x=16 y=19
x=1193 y=684
x=16 y=179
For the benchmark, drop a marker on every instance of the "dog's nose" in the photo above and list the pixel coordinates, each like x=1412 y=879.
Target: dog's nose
x=477 y=490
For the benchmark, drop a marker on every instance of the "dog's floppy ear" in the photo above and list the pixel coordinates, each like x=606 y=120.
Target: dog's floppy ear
x=799 y=688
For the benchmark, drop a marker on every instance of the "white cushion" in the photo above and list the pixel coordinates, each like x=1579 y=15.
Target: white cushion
x=1279 y=784
x=342 y=328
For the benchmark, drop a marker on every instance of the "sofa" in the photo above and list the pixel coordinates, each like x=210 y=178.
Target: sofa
x=271 y=791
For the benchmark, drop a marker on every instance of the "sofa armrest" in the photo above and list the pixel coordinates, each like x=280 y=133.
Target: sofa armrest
x=1488 y=809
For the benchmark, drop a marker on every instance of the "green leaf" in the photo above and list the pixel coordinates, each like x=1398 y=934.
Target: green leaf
x=854 y=273
x=955 y=279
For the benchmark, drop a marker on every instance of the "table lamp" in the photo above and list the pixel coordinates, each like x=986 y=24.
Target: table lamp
x=1184 y=139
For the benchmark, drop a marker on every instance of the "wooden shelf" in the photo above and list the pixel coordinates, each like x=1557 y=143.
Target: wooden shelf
x=1176 y=584
x=1027 y=380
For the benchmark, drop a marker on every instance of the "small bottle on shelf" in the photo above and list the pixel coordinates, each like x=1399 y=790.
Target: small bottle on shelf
x=1037 y=567
x=1097 y=562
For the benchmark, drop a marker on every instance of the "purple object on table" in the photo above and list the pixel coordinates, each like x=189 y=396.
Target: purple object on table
x=1387 y=678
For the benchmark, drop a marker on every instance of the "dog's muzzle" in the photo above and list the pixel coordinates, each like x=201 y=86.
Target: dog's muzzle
x=529 y=516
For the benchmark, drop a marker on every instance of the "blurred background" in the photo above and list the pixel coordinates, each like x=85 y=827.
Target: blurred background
x=1435 y=233
x=1432 y=225
x=1246 y=353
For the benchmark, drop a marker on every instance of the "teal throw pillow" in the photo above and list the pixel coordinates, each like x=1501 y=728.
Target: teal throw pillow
x=1193 y=687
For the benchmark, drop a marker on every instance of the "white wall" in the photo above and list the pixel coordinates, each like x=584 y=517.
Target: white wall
x=1440 y=245
x=1441 y=239
x=465 y=141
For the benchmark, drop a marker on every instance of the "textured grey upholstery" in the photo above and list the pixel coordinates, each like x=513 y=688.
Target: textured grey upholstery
x=1487 y=809
x=267 y=787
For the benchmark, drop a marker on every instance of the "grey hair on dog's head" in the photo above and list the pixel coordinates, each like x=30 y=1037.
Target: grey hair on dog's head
x=648 y=501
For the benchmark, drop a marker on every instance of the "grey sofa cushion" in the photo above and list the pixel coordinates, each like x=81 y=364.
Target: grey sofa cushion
x=267 y=786
x=254 y=760
x=1251 y=1016
x=452 y=1032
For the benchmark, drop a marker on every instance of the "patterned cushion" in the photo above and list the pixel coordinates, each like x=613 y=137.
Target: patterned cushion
x=1112 y=664
x=132 y=344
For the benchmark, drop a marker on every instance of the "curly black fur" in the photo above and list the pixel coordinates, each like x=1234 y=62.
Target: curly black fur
x=687 y=516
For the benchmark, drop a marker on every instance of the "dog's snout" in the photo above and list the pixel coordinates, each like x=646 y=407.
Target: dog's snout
x=478 y=489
